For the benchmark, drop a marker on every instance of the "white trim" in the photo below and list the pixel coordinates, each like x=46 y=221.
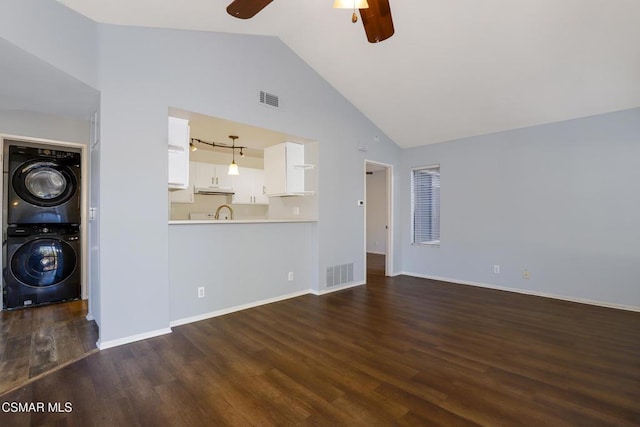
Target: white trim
x=229 y=310
x=89 y=317
x=376 y=253
x=132 y=338
x=337 y=288
x=525 y=292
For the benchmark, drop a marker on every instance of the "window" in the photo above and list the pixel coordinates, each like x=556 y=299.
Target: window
x=425 y=205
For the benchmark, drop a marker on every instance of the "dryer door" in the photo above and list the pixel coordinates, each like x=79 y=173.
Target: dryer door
x=44 y=183
x=43 y=262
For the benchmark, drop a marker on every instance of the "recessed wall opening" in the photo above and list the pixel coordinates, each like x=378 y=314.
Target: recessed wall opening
x=212 y=149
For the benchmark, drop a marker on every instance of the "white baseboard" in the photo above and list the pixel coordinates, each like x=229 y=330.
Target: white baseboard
x=376 y=253
x=337 y=288
x=90 y=317
x=224 y=311
x=525 y=292
x=132 y=338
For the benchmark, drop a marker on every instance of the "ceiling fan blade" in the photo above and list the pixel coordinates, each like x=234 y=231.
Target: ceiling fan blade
x=245 y=9
x=377 y=21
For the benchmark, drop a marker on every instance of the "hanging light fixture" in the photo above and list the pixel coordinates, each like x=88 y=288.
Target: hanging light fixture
x=233 y=167
x=351 y=4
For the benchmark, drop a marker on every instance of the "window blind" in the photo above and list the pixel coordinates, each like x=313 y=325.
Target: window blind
x=425 y=203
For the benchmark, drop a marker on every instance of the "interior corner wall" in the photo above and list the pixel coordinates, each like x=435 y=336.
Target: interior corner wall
x=53 y=33
x=142 y=73
x=559 y=200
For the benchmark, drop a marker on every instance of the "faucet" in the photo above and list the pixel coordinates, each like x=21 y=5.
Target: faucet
x=220 y=208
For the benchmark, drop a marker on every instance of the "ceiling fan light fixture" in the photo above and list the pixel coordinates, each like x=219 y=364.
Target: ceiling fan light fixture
x=350 y=4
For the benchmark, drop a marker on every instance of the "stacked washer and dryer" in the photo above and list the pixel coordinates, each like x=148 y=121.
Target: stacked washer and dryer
x=42 y=210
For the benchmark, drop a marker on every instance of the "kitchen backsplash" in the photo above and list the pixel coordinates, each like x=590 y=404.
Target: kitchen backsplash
x=209 y=203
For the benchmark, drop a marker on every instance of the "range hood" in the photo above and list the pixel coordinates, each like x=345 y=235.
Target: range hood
x=214 y=190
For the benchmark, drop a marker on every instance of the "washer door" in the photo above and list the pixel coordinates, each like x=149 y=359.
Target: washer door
x=43 y=262
x=44 y=183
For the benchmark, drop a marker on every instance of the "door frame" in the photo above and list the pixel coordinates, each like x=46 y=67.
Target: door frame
x=84 y=192
x=388 y=261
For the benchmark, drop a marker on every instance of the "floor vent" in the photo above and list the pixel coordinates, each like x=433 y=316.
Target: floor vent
x=269 y=99
x=339 y=275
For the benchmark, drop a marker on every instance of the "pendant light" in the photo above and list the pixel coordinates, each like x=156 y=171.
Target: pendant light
x=233 y=167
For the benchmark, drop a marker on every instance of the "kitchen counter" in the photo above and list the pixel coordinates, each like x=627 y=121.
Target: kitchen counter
x=237 y=221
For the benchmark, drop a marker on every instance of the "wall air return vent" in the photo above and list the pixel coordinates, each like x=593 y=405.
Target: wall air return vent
x=339 y=275
x=269 y=99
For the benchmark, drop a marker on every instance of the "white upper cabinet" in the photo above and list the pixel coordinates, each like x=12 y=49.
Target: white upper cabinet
x=178 y=133
x=186 y=195
x=212 y=175
x=284 y=170
x=249 y=187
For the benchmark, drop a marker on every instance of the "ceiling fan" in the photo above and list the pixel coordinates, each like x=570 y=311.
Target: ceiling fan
x=375 y=14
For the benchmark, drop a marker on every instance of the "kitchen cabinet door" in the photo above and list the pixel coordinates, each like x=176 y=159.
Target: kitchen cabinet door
x=178 y=139
x=284 y=169
x=249 y=187
x=259 y=192
x=205 y=174
x=222 y=177
x=184 y=195
x=212 y=175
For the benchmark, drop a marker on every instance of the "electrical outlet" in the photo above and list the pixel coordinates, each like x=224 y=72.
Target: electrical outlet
x=290 y=276
x=201 y=292
x=526 y=274
x=296 y=210
x=496 y=269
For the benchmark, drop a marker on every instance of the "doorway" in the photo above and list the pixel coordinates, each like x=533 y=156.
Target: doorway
x=378 y=218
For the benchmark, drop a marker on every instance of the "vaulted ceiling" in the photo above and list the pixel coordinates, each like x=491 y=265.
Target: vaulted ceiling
x=453 y=69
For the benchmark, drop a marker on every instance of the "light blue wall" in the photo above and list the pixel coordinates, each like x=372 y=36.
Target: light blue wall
x=140 y=73
x=560 y=200
x=45 y=126
x=143 y=72
x=237 y=264
x=53 y=33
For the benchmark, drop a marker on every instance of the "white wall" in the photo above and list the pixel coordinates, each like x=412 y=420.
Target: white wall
x=560 y=200
x=143 y=72
x=55 y=34
x=235 y=263
x=377 y=212
x=140 y=73
x=45 y=126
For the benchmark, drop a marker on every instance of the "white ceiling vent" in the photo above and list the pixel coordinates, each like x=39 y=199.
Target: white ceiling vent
x=269 y=99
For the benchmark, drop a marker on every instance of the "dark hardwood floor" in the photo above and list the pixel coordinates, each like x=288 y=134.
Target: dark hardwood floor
x=37 y=340
x=398 y=351
x=375 y=266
